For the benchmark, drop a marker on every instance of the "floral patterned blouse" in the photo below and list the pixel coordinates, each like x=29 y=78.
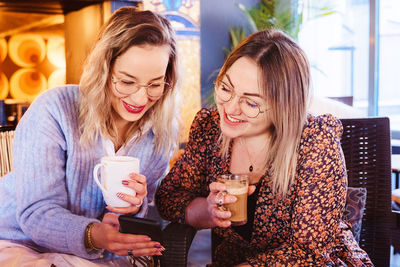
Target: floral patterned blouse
x=304 y=229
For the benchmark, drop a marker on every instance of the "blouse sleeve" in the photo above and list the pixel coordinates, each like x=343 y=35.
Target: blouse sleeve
x=321 y=182
x=187 y=180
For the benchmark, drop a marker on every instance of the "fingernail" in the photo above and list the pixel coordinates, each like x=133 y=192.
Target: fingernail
x=125 y=182
x=157 y=246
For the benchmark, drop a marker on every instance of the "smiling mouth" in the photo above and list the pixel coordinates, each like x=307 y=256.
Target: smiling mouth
x=232 y=120
x=132 y=109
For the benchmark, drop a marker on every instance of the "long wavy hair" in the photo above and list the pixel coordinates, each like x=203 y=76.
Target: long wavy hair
x=285 y=81
x=127 y=27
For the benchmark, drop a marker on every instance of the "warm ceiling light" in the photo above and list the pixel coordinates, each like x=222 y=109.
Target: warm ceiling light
x=27 y=50
x=3 y=49
x=56 y=78
x=27 y=84
x=3 y=86
x=56 y=51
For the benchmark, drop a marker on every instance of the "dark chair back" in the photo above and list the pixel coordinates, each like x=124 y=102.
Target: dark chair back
x=366 y=148
x=6 y=128
x=177 y=239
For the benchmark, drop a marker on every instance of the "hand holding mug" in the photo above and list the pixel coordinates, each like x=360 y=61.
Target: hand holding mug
x=122 y=186
x=136 y=182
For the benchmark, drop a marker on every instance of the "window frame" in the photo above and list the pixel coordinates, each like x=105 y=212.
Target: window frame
x=374 y=57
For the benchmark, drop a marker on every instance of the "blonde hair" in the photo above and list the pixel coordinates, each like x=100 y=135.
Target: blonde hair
x=127 y=27
x=285 y=81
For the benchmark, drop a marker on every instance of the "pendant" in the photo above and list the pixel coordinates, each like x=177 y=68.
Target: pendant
x=251 y=168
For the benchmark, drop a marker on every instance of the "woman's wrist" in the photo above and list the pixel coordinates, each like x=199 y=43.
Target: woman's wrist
x=90 y=246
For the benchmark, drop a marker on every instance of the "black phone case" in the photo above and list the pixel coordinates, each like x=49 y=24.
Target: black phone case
x=140 y=226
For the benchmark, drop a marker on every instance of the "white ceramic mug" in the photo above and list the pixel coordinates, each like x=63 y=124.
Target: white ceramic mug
x=113 y=171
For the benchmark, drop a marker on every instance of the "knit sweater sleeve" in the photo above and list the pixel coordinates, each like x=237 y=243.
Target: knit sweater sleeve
x=40 y=152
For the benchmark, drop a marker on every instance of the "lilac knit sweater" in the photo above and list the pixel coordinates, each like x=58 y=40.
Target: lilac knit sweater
x=50 y=196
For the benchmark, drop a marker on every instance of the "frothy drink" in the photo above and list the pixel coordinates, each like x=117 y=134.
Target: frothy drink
x=239 y=208
x=236 y=185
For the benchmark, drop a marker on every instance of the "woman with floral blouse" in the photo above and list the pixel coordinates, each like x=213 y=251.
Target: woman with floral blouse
x=298 y=177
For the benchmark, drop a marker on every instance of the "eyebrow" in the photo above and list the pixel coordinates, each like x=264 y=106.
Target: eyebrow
x=133 y=77
x=245 y=94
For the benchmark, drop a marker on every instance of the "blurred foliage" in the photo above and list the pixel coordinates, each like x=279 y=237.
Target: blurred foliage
x=285 y=15
x=281 y=14
x=236 y=34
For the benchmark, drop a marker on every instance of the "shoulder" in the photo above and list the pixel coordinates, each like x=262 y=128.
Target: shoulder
x=205 y=126
x=206 y=119
x=323 y=125
x=59 y=103
x=63 y=95
x=66 y=91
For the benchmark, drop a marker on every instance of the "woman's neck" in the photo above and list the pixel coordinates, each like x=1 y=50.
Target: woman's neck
x=255 y=144
x=249 y=155
x=122 y=129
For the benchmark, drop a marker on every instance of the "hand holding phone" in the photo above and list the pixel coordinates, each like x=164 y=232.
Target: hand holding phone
x=140 y=226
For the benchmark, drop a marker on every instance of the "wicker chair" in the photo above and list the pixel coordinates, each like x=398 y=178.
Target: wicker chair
x=366 y=146
x=177 y=239
x=6 y=139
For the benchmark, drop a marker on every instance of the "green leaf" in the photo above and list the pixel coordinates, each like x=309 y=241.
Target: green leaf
x=252 y=24
x=237 y=35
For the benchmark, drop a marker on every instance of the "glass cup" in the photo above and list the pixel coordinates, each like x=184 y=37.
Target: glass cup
x=236 y=185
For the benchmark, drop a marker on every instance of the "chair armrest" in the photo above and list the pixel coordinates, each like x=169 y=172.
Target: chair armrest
x=177 y=239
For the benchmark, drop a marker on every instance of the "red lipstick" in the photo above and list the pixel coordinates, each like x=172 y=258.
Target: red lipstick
x=132 y=109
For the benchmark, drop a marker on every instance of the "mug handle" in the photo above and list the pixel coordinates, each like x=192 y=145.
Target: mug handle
x=96 y=176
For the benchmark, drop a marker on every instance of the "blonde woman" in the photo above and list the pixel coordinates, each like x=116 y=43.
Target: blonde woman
x=296 y=165
x=50 y=205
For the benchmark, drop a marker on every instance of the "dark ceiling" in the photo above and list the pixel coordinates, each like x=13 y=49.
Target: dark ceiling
x=39 y=15
x=36 y=15
x=45 y=6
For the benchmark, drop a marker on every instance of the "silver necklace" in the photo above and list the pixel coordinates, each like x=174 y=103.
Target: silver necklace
x=248 y=155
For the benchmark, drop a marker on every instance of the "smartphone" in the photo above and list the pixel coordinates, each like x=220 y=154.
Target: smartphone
x=140 y=226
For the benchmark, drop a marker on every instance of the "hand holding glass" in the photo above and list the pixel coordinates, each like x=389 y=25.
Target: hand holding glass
x=236 y=185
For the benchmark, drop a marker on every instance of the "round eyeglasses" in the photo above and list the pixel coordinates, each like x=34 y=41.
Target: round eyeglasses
x=248 y=106
x=128 y=87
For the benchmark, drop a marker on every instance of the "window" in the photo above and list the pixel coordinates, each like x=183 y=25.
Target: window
x=343 y=60
x=389 y=58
